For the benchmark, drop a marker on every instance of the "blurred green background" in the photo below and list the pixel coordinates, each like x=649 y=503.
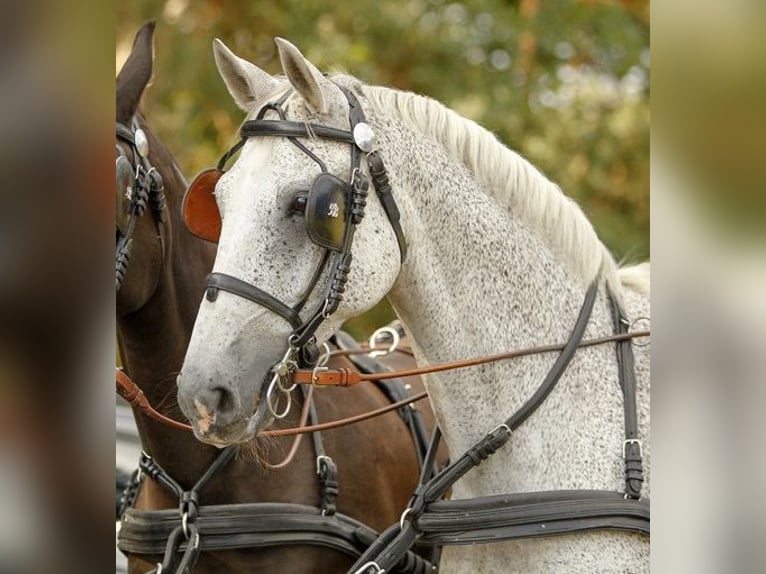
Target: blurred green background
x=564 y=83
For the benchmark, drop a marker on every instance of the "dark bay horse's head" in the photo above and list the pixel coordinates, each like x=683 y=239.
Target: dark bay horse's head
x=139 y=183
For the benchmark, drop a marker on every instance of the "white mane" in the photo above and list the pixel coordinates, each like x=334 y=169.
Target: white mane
x=512 y=180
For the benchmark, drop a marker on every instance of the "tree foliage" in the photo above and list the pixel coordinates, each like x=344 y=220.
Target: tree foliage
x=564 y=83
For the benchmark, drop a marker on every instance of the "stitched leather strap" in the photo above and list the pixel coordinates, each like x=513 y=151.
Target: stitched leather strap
x=382 y=186
x=634 y=473
x=129 y=391
x=291 y=129
x=223 y=282
x=531 y=514
x=256 y=525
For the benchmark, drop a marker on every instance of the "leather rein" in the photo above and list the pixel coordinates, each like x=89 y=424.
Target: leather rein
x=132 y=393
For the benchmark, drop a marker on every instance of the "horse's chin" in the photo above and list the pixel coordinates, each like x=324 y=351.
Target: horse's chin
x=223 y=439
x=261 y=419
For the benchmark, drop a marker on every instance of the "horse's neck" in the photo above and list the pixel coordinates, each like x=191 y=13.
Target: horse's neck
x=477 y=282
x=152 y=340
x=502 y=283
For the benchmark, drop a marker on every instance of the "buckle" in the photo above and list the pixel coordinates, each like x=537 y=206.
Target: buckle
x=631 y=441
x=322 y=458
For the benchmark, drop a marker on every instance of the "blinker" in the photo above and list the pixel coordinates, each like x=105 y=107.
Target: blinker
x=199 y=209
x=124 y=178
x=326 y=211
x=124 y=175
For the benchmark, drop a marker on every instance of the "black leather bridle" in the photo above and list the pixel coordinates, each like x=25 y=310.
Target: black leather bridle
x=138 y=184
x=302 y=348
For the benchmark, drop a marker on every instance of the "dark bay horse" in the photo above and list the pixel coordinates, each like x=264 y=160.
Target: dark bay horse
x=157 y=301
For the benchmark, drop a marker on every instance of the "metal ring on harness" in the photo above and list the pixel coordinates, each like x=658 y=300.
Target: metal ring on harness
x=289 y=365
x=395 y=339
x=321 y=363
x=371 y=564
x=269 y=401
x=403 y=516
x=185 y=524
x=633 y=324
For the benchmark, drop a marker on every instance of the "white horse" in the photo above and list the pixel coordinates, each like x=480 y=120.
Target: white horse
x=498 y=259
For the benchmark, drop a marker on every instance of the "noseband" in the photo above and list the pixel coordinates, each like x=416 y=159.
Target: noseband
x=138 y=184
x=329 y=200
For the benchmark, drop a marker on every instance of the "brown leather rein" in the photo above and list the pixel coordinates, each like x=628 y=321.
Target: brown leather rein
x=129 y=391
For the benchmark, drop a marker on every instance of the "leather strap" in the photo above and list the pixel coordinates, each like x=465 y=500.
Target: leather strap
x=224 y=282
x=347 y=378
x=634 y=474
x=532 y=514
x=382 y=187
x=291 y=129
x=125 y=133
x=247 y=525
x=256 y=525
x=129 y=391
x=409 y=528
x=327 y=470
x=379 y=175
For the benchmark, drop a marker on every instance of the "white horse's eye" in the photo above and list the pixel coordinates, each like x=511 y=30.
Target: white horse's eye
x=298 y=203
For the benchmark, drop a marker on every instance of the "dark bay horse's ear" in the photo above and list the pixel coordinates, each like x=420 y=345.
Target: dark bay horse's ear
x=135 y=73
x=303 y=75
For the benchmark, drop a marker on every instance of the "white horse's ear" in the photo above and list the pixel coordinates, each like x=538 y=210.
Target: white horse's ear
x=303 y=75
x=246 y=82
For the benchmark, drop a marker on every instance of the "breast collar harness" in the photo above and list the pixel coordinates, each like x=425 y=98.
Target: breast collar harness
x=302 y=348
x=138 y=184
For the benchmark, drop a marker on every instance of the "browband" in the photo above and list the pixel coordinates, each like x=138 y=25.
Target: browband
x=291 y=129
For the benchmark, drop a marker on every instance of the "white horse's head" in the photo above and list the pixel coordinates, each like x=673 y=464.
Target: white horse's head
x=286 y=206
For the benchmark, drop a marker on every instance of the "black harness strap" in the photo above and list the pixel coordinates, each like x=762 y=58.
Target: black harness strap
x=147 y=189
x=436 y=487
x=185 y=537
x=250 y=525
x=507 y=517
x=382 y=185
x=256 y=525
x=531 y=514
x=634 y=474
x=290 y=129
x=220 y=281
x=327 y=470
